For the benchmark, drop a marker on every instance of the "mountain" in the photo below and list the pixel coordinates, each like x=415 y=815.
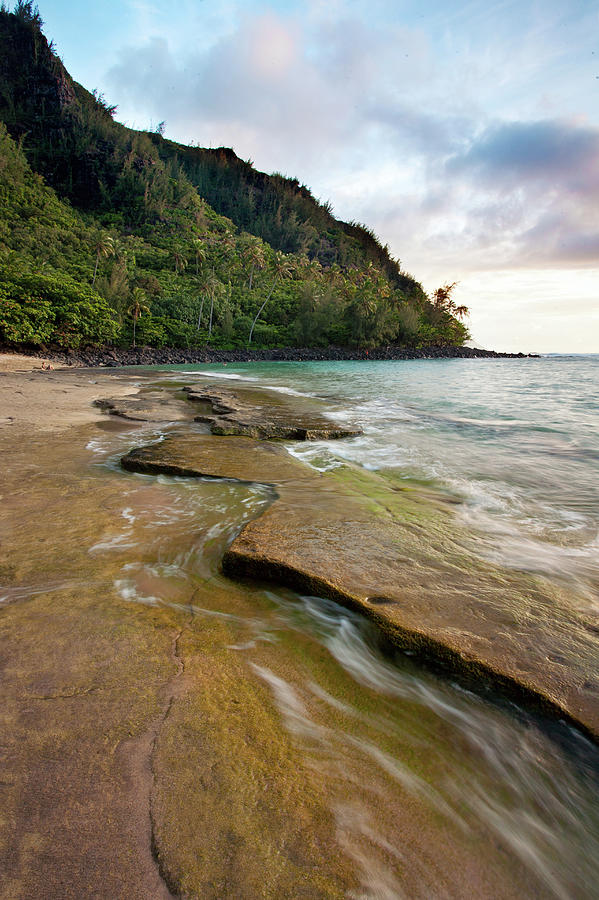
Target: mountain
x=172 y=244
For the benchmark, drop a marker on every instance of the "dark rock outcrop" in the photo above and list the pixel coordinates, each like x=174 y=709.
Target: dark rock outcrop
x=95 y=357
x=271 y=419
x=149 y=406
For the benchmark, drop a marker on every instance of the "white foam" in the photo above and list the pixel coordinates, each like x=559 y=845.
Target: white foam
x=249 y=645
x=229 y=376
x=96 y=446
x=354 y=826
x=289 y=704
x=129 y=592
x=118 y=542
x=279 y=389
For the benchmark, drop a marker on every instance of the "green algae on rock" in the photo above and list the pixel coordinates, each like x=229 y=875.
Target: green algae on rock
x=204 y=456
x=397 y=557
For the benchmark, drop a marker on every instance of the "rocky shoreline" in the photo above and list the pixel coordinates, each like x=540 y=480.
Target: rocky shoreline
x=319 y=529
x=147 y=746
x=151 y=356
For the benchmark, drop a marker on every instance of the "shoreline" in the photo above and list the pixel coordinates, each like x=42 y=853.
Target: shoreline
x=35 y=399
x=136 y=700
x=28 y=393
x=148 y=356
x=306 y=539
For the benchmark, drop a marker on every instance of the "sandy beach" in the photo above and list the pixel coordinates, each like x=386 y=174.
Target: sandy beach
x=51 y=399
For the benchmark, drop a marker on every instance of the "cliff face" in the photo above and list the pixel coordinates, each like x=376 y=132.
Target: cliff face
x=67 y=134
x=280 y=210
x=37 y=98
x=181 y=225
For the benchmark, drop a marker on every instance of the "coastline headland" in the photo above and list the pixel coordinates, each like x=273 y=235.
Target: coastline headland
x=151 y=356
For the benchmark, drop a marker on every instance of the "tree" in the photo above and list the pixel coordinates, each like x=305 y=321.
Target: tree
x=179 y=260
x=200 y=254
x=27 y=12
x=443 y=301
x=254 y=257
x=307 y=322
x=283 y=268
x=213 y=288
x=199 y=325
x=104 y=248
x=441 y=321
x=408 y=323
x=137 y=307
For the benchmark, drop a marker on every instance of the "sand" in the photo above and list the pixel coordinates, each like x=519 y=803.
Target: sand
x=52 y=399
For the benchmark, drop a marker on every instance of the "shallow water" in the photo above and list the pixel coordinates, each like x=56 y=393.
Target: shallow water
x=384 y=736
x=517 y=441
x=432 y=791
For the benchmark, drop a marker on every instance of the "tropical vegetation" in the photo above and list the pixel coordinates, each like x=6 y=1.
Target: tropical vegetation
x=115 y=236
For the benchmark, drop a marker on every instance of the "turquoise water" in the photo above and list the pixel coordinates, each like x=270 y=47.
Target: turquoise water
x=516 y=440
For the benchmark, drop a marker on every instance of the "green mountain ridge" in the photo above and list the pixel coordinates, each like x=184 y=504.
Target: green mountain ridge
x=113 y=235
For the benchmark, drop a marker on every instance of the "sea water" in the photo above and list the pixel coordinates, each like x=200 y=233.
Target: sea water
x=516 y=444
x=516 y=441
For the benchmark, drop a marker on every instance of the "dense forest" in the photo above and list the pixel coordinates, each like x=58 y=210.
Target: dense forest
x=114 y=236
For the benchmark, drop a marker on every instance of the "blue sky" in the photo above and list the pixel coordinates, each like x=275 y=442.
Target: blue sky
x=465 y=133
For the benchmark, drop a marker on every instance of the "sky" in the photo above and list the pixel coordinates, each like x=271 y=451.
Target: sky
x=466 y=134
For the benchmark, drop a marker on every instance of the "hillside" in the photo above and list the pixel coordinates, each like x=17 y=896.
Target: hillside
x=171 y=245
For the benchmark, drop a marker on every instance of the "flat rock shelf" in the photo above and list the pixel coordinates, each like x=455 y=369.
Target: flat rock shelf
x=360 y=539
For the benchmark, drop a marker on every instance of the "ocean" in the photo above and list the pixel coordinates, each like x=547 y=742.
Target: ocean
x=433 y=790
x=515 y=441
x=302 y=746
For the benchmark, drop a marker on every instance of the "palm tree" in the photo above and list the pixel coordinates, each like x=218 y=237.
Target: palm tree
x=137 y=308
x=227 y=242
x=254 y=255
x=213 y=286
x=179 y=259
x=284 y=268
x=443 y=300
x=199 y=325
x=334 y=275
x=200 y=254
x=104 y=248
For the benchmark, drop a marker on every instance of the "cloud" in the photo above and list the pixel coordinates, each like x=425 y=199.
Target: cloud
x=365 y=111
x=253 y=88
x=548 y=151
x=278 y=83
x=535 y=187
